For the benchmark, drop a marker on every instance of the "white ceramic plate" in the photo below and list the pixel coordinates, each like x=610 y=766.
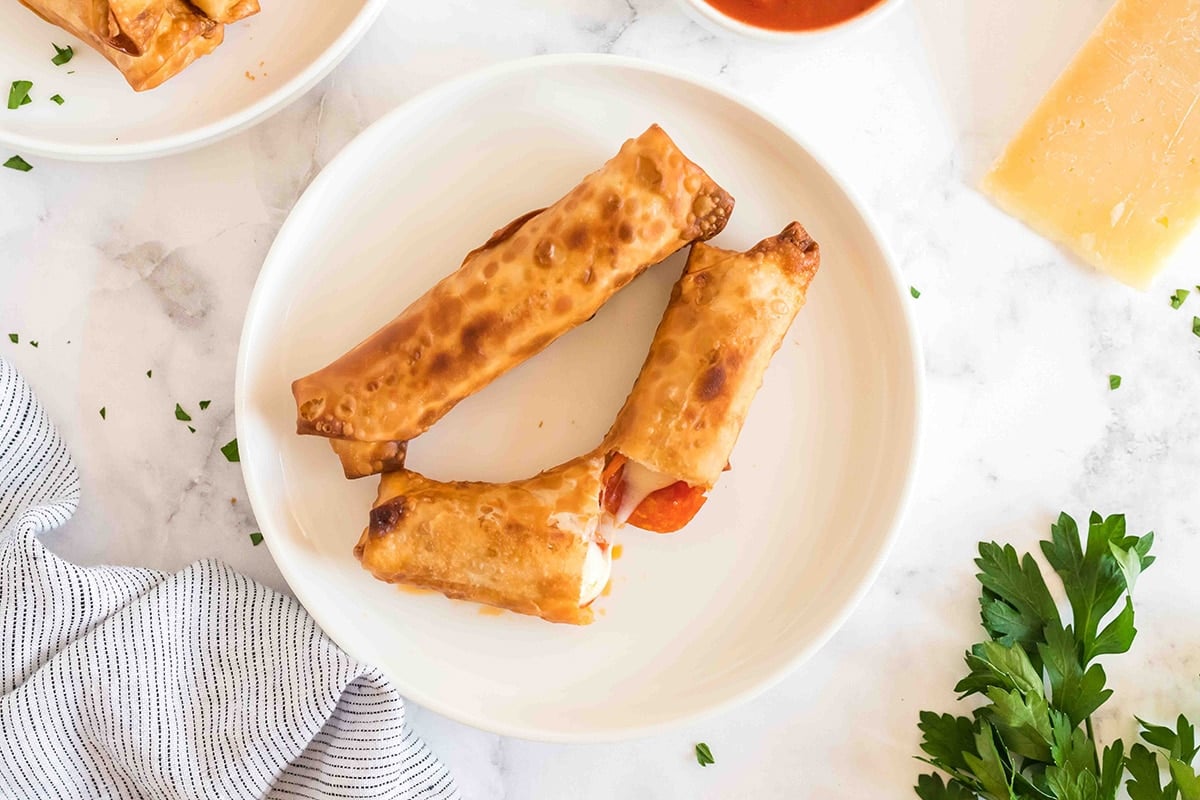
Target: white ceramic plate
x=264 y=63
x=790 y=538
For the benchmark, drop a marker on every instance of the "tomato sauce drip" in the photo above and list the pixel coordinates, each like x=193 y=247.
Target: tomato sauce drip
x=792 y=15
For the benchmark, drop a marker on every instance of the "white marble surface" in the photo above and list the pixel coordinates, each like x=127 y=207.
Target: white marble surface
x=118 y=269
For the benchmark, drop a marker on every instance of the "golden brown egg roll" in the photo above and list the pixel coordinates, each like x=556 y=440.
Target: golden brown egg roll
x=536 y=279
x=145 y=55
x=533 y=546
x=227 y=10
x=727 y=315
x=360 y=459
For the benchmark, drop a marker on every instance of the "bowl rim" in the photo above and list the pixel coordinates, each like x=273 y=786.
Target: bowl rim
x=711 y=17
x=226 y=126
x=326 y=619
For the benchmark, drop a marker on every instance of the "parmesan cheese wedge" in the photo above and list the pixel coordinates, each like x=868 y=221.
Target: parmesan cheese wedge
x=1109 y=163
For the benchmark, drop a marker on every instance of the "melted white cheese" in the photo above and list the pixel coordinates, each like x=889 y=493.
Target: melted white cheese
x=597 y=566
x=640 y=482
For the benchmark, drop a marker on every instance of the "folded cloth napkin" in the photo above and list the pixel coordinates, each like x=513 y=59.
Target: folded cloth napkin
x=131 y=683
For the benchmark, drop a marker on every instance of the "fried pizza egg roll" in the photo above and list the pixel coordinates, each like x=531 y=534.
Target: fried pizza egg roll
x=360 y=459
x=533 y=546
x=536 y=279
x=149 y=41
x=227 y=10
x=727 y=315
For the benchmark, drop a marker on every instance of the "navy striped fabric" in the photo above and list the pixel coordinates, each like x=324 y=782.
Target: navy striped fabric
x=130 y=683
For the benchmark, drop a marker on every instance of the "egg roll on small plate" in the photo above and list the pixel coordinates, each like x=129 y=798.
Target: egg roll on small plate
x=533 y=546
x=535 y=279
x=149 y=41
x=727 y=316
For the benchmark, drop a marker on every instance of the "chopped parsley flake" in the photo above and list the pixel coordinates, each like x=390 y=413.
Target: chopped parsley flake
x=103 y=412
x=182 y=415
x=1178 y=298
x=149 y=373
x=18 y=93
x=19 y=164
x=256 y=538
x=32 y=343
x=230 y=451
x=1114 y=382
x=704 y=756
x=1196 y=325
x=204 y=404
x=58 y=98
x=62 y=55
x=14 y=338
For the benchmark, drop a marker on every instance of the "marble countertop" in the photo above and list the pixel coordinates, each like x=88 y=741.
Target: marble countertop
x=119 y=269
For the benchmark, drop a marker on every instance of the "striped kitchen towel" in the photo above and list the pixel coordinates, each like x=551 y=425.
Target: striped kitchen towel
x=130 y=683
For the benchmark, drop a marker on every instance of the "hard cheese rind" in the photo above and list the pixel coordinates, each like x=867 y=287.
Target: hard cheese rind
x=1109 y=163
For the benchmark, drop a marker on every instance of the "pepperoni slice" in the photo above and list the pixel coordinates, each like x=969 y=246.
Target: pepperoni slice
x=668 y=509
x=614 y=487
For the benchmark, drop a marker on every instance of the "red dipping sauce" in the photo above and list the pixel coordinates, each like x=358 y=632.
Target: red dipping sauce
x=793 y=15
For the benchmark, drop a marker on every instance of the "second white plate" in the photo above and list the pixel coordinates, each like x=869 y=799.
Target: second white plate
x=264 y=63
x=789 y=539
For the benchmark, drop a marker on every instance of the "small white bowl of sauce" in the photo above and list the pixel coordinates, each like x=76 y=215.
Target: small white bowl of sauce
x=785 y=21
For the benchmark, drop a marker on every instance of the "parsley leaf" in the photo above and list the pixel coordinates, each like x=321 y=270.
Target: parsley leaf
x=230 y=451
x=1180 y=743
x=32 y=343
x=1196 y=325
x=1185 y=780
x=149 y=373
x=14 y=338
x=57 y=98
x=1178 y=297
x=1075 y=692
x=914 y=291
x=1111 y=770
x=1143 y=783
x=1016 y=605
x=1091 y=576
x=62 y=55
x=1022 y=721
x=993 y=664
x=988 y=767
x=256 y=538
x=947 y=739
x=182 y=415
x=18 y=93
x=204 y=404
x=18 y=163
x=930 y=787
x=103 y=412
x=1032 y=738
x=1114 y=382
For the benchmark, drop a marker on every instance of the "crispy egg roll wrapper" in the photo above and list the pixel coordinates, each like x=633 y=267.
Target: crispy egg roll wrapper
x=180 y=35
x=227 y=10
x=530 y=546
x=131 y=24
x=360 y=459
x=727 y=315
x=535 y=280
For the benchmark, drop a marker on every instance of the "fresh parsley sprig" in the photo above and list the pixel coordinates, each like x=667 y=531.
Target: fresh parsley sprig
x=1032 y=738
